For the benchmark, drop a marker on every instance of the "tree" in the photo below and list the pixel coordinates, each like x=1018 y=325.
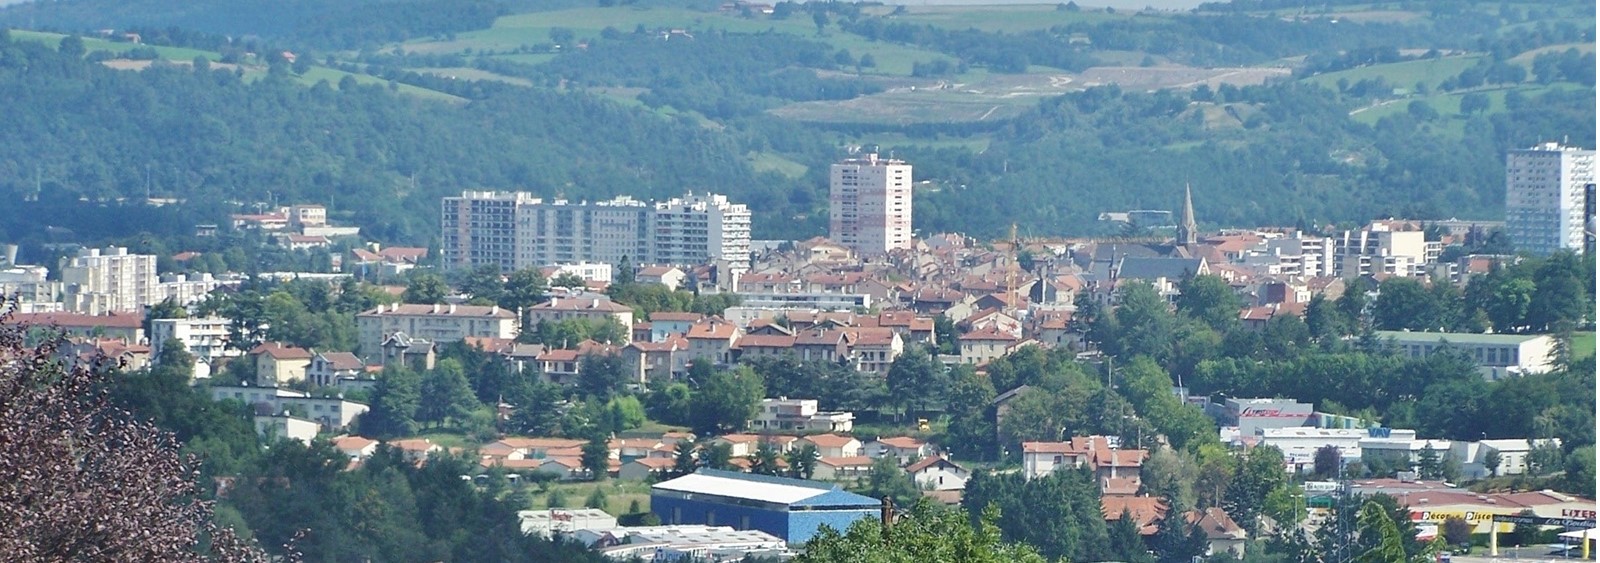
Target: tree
x=166 y=309
x=1170 y=474
x=394 y=404
x=483 y=283
x=716 y=456
x=596 y=457
x=1474 y=102
x=1178 y=540
x=803 y=461
x=1491 y=462
x=601 y=375
x=927 y=532
x=597 y=499
x=1403 y=304
x=1259 y=473
x=569 y=280
x=765 y=460
x=72 y=46
x=1209 y=299
x=524 y=288
x=445 y=394
x=916 y=380
x=1126 y=544
x=726 y=402
x=424 y=288
x=1325 y=462
x=1457 y=531
x=684 y=463
x=886 y=479
x=84 y=480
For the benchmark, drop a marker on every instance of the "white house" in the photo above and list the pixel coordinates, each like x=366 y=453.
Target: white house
x=938 y=474
x=832 y=445
x=799 y=415
x=287 y=426
x=903 y=448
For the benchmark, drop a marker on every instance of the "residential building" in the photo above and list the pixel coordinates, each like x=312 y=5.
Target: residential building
x=644 y=468
x=1549 y=198
x=287 y=426
x=1513 y=454
x=515 y=230
x=712 y=339
x=651 y=361
x=869 y=204
x=1111 y=464
x=355 y=447
x=935 y=473
x=669 y=276
x=904 y=449
x=277 y=364
x=328 y=368
x=1223 y=535
x=832 y=445
x=791 y=509
x=1497 y=355
x=842 y=468
x=126 y=326
x=875 y=349
x=799 y=415
x=109 y=280
x=593 y=309
x=436 y=323
x=204 y=337
x=979 y=347
x=1384 y=247
x=696 y=228
x=332 y=413
x=479 y=228
x=591 y=272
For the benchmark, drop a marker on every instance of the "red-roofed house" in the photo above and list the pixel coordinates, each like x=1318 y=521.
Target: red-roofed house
x=327 y=368
x=1223 y=535
x=842 y=468
x=832 y=445
x=277 y=364
x=905 y=449
x=979 y=347
x=126 y=326
x=1146 y=512
x=936 y=473
x=712 y=338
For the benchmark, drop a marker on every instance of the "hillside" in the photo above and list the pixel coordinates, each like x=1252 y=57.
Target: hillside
x=1036 y=115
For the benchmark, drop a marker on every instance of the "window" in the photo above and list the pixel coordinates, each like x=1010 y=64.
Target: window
x=711 y=517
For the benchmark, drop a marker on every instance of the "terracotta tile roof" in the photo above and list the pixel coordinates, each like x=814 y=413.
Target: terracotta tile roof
x=655 y=463
x=76 y=320
x=537 y=443
x=352 y=442
x=280 y=352
x=902 y=442
x=1145 y=511
x=1125 y=486
x=873 y=336
x=415 y=445
x=739 y=438
x=829 y=440
x=1216 y=524
x=671 y=316
x=712 y=328
x=765 y=341
x=854 y=461
x=581 y=304
x=931 y=461
x=989 y=333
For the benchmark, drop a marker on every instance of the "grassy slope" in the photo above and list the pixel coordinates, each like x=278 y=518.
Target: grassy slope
x=517 y=30
x=1002 y=18
x=186 y=55
x=1402 y=74
x=1583 y=345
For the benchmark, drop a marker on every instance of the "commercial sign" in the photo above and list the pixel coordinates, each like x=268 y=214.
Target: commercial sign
x=1321 y=486
x=1441 y=516
x=1577 y=513
x=1538 y=521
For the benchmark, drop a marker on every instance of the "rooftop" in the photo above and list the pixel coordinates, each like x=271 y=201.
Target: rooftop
x=762 y=488
x=1459 y=337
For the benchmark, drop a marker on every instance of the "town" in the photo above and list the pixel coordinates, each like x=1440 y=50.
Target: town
x=651 y=382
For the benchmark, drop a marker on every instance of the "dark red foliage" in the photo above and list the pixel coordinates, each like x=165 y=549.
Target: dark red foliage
x=81 y=480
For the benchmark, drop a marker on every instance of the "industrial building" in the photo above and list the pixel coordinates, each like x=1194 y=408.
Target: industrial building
x=791 y=509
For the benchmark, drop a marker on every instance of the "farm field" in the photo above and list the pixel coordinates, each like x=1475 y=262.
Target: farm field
x=1402 y=74
x=1450 y=104
x=1007 y=18
x=464 y=73
x=515 y=31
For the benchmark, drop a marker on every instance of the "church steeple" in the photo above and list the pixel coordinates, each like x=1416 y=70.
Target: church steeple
x=1188 y=233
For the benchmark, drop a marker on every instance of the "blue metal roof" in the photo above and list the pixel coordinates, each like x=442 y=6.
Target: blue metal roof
x=840 y=498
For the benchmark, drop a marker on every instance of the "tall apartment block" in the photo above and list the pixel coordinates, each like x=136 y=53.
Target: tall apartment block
x=109 y=280
x=1550 y=198
x=480 y=228
x=693 y=228
x=517 y=230
x=869 y=204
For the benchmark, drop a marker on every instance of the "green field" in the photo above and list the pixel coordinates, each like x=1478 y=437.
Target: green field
x=97 y=44
x=1002 y=18
x=769 y=162
x=518 y=30
x=1583 y=345
x=620 y=495
x=1402 y=74
x=464 y=73
x=1450 y=104
x=183 y=55
x=1526 y=58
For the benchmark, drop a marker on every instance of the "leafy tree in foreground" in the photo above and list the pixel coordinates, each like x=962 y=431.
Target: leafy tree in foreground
x=83 y=480
x=925 y=533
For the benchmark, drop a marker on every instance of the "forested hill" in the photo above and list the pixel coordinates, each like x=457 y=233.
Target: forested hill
x=83 y=130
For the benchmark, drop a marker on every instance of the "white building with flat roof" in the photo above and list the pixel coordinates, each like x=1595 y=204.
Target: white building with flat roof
x=204 y=337
x=799 y=415
x=1550 y=198
x=109 y=280
x=436 y=323
x=1497 y=355
x=515 y=230
x=869 y=204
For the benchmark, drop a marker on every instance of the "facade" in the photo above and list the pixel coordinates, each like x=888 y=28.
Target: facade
x=109 y=280
x=791 y=509
x=799 y=415
x=1549 y=198
x=206 y=338
x=554 y=522
x=288 y=427
x=277 y=364
x=592 y=309
x=1384 y=248
x=1254 y=415
x=332 y=413
x=514 y=230
x=696 y=228
x=1498 y=355
x=480 y=228
x=869 y=204
x=938 y=474
x=435 y=323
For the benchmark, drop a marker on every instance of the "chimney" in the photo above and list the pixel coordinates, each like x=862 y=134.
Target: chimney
x=452 y=308
x=435 y=308
x=494 y=310
x=594 y=303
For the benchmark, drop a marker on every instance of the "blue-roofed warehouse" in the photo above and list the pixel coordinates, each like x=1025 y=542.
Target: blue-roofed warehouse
x=792 y=509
